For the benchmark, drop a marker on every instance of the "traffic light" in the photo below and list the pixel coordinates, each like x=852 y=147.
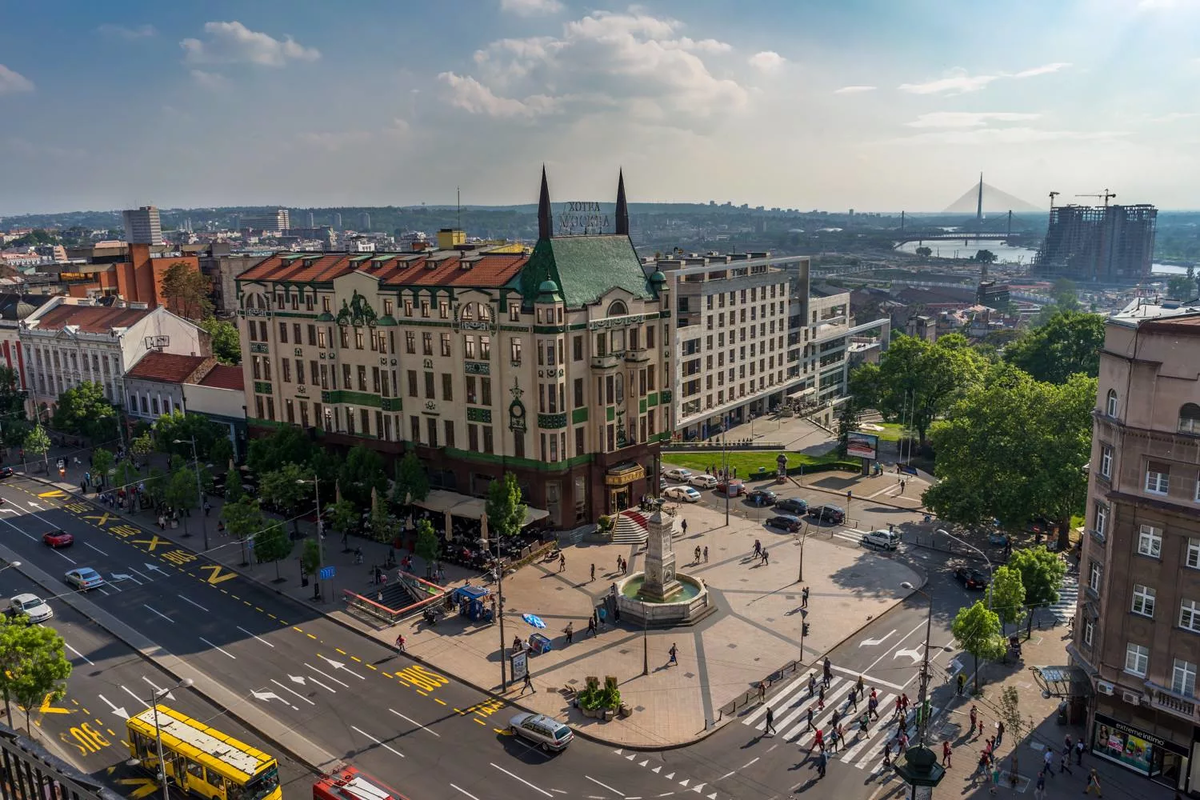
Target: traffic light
x=804 y=629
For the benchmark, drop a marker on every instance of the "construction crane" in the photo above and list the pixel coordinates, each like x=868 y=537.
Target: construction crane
x=1052 y=196
x=1107 y=196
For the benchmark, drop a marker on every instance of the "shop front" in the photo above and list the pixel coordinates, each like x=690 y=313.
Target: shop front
x=619 y=481
x=1141 y=751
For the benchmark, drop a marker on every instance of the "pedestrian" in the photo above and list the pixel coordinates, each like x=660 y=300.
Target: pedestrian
x=696 y=555
x=1079 y=748
x=683 y=525
x=593 y=574
x=1039 y=789
x=757 y=549
x=705 y=554
x=946 y=753
x=887 y=754
x=873 y=708
x=962 y=682
x=981 y=767
x=528 y=684
x=827 y=672
x=818 y=742
x=570 y=632
x=896 y=713
x=770 y=728
x=674 y=655
x=1048 y=761
x=809 y=723
x=833 y=739
x=400 y=642
x=999 y=730
x=592 y=625
x=995 y=767
x=762 y=691
x=1064 y=764
x=804 y=598
x=822 y=760
x=821 y=699
x=562 y=562
x=812 y=685
x=901 y=487
x=1093 y=783
x=904 y=702
x=207 y=508
x=835 y=719
x=853 y=699
x=618 y=565
x=766 y=558
x=601 y=614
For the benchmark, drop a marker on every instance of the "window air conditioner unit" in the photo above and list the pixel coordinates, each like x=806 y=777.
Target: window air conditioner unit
x=1133 y=698
x=1104 y=687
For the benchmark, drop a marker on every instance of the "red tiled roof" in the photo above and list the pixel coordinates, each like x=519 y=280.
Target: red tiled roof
x=165 y=367
x=224 y=377
x=90 y=319
x=438 y=268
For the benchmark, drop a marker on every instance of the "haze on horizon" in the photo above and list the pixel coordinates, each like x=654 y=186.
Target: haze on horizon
x=867 y=105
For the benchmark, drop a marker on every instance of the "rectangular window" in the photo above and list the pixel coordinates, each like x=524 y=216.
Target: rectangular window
x=427 y=343
x=1094 y=573
x=1143 y=600
x=578 y=385
x=1150 y=541
x=1137 y=659
x=344 y=337
x=388 y=308
x=283 y=333
x=286 y=366
x=375 y=380
x=408 y=309
x=449 y=426
x=299 y=372
x=446 y=344
x=412 y=383
x=1089 y=631
x=322 y=340
x=1189 y=615
x=296 y=332
x=424 y=308
x=577 y=348
x=1193 y=553
x=472 y=437
x=1106 y=460
x=444 y=309
x=1101 y=524
x=358 y=339
x=414 y=428
x=429 y=394
x=410 y=343
x=1158 y=478
x=431 y=430
x=485 y=391
x=325 y=369
x=447 y=386
x=489 y=444
x=469 y=346
x=1183 y=678
x=515 y=345
x=364 y=417
x=485 y=347
x=471 y=396
x=290 y=411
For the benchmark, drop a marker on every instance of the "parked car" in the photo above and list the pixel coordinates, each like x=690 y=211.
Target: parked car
x=546 y=732
x=971 y=578
x=662 y=483
x=678 y=474
x=83 y=578
x=58 y=539
x=881 y=540
x=733 y=488
x=31 y=605
x=6 y=472
x=685 y=494
x=829 y=513
x=703 y=481
x=792 y=505
x=786 y=522
x=761 y=497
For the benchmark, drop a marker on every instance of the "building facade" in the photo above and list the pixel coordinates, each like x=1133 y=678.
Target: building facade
x=164 y=383
x=1137 y=633
x=276 y=221
x=550 y=364
x=1108 y=244
x=142 y=225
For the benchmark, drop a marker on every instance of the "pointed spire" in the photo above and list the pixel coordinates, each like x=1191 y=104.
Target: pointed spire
x=545 y=227
x=622 y=206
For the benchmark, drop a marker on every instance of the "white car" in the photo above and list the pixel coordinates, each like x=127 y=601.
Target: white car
x=881 y=540
x=546 y=732
x=30 y=605
x=678 y=474
x=685 y=494
x=704 y=481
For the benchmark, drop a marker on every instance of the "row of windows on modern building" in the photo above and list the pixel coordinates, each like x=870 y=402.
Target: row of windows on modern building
x=755 y=294
x=55 y=372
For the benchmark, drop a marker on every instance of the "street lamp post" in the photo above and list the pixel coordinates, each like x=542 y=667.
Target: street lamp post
x=157 y=695
x=803 y=536
x=922 y=699
x=645 y=641
x=10 y=565
x=921 y=770
x=320 y=588
x=199 y=489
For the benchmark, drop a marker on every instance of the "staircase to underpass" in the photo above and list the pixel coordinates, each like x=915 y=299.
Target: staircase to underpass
x=630 y=528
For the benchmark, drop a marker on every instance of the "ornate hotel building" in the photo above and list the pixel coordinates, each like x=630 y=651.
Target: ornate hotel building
x=552 y=364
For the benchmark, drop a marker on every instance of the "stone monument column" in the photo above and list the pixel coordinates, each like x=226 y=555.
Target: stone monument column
x=660 y=583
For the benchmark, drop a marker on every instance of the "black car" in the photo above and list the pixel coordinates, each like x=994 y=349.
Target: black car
x=834 y=514
x=786 y=523
x=792 y=505
x=6 y=472
x=971 y=578
x=761 y=497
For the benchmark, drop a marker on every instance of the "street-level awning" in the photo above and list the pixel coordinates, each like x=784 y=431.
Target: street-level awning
x=1066 y=682
x=802 y=393
x=440 y=500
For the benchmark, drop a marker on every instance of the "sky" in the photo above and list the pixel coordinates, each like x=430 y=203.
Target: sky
x=876 y=105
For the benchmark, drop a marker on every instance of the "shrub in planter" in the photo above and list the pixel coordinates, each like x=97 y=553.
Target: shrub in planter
x=591 y=696
x=605 y=522
x=610 y=695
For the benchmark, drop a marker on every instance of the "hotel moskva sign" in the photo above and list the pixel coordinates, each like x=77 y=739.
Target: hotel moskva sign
x=579 y=218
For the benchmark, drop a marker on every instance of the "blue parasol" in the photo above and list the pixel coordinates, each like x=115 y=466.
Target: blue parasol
x=533 y=620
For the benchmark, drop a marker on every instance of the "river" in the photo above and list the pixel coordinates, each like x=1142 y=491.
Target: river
x=943 y=248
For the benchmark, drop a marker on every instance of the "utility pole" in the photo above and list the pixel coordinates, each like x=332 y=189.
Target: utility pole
x=500 y=613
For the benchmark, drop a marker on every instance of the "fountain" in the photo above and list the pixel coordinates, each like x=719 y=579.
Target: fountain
x=660 y=595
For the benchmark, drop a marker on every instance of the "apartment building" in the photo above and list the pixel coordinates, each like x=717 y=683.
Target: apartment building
x=550 y=364
x=70 y=340
x=164 y=383
x=1137 y=633
x=142 y=225
x=753 y=333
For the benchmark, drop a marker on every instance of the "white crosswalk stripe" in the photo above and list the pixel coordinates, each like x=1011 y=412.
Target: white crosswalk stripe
x=1068 y=596
x=780 y=700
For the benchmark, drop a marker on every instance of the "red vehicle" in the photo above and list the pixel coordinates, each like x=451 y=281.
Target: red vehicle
x=348 y=783
x=58 y=539
x=733 y=487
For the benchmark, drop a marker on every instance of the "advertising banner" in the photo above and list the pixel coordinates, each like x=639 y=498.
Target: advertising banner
x=862 y=445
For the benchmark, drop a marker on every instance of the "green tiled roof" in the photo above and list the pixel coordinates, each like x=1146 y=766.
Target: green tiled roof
x=585 y=267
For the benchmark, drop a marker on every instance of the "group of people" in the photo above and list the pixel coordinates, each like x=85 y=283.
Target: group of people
x=761 y=553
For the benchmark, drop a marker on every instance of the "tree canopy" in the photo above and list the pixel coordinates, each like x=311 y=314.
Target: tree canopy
x=84 y=410
x=1012 y=449
x=1007 y=595
x=1041 y=574
x=287 y=444
x=186 y=291
x=985 y=257
x=504 y=507
x=412 y=481
x=173 y=434
x=271 y=544
x=977 y=631
x=226 y=344
x=33 y=665
x=37 y=441
x=1067 y=344
x=427 y=546
x=361 y=472
x=102 y=464
x=290 y=490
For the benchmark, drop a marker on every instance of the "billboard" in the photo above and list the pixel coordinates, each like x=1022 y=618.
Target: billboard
x=862 y=445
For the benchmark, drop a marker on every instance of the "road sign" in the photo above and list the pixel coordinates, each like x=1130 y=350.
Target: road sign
x=327 y=573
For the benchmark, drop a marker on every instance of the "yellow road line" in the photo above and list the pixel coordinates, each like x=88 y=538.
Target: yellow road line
x=481 y=722
x=340 y=650
x=442 y=702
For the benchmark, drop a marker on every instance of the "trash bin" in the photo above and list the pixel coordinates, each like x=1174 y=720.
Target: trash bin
x=1062 y=713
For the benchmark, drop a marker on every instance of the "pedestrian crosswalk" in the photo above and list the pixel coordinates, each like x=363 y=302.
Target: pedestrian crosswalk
x=790 y=706
x=1068 y=596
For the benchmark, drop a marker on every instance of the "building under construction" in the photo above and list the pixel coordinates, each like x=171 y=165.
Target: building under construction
x=1106 y=244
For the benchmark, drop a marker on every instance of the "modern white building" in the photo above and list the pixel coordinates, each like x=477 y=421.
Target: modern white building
x=142 y=225
x=72 y=340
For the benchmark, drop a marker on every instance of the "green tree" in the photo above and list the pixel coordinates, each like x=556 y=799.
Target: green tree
x=234 y=491
x=344 y=517
x=243 y=519
x=84 y=410
x=287 y=444
x=226 y=345
x=923 y=251
x=327 y=466
x=142 y=445
x=38 y=443
x=1006 y=594
x=271 y=544
x=1010 y=712
x=1181 y=287
x=220 y=453
x=173 y=434
x=289 y=490
x=362 y=472
x=412 y=481
x=1065 y=295
x=1067 y=344
x=847 y=424
x=186 y=291
x=126 y=474
x=985 y=257
x=310 y=557
x=1041 y=574
x=977 y=631
x=180 y=493
x=102 y=464
x=156 y=485
x=504 y=507
x=384 y=527
x=1013 y=449
x=35 y=664
x=428 y=546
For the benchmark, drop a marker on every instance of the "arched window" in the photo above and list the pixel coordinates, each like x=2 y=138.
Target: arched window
x=1189 y=419
x=1110 y=403
x=485 y=312
x=617 y=309
x=466 y=312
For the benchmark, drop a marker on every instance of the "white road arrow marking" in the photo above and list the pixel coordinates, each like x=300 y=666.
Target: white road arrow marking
x=875 y=642
x=121 y=576
x=35 y=505
x=8 y=510
x=293 y=691
x=267 y=697
x=914 y=654
x=150 y=566
x=134 y=696
x=118 y=710
x=341 y=666
x=296 y=679
x=324 y=675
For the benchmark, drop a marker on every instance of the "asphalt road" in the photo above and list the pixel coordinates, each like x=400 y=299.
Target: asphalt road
x=344 y=696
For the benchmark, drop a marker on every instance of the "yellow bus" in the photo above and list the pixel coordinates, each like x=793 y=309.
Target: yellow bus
x=201 y=759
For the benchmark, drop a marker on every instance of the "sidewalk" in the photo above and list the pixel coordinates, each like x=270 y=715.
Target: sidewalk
x=755 y=632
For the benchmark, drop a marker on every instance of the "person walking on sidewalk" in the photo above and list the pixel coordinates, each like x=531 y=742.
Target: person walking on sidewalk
x=821 y=699
x=562 y=562
x=1039 y=789
x=812 y=685
x=528 y=684
x=808 y=726
x=1093 y=782
x=1048 y=761
x=674 y=653
x=804 y=597
x=818 y=743
x=962 y=682
x=770 y=728
x=822 y=761
x=570 y=632
x=999 y=730
x=683 y=525
x=705 y=554
x=946 y=753
x=827 y=674
x=1064 y=764
x=974 y=720
x=593 y=574
x=400 y=642
x=762 y=691
x=873 y=707
x=1079 y=748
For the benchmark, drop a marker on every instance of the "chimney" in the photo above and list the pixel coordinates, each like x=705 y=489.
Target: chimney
x=622 y=206
x=545 y=227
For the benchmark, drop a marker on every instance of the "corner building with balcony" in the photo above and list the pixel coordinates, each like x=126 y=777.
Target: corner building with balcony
x=1137 y=630
x=550 y=364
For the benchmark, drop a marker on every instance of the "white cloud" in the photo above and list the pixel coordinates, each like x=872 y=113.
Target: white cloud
x=234 y=43
x=1175 y=116
x=529 y=8
x=633 y=64
x=854 y=89
x=959 y=81
x=12 y=82
x=1020 y=135
x=209 y=80
x=767 y=61
x=967 y=119
x=127 y=32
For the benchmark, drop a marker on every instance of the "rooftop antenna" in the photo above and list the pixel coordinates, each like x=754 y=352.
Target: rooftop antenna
x=458 y=196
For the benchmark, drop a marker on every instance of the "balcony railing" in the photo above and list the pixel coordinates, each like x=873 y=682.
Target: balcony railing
x=1164 y=699
x=637 y=354
x=609 y=361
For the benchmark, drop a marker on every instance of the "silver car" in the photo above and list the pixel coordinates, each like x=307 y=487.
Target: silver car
x=546 y=732
x=34 y=607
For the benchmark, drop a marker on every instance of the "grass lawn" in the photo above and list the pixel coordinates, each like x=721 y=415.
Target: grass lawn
x=892 y=431
x=746 y=462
